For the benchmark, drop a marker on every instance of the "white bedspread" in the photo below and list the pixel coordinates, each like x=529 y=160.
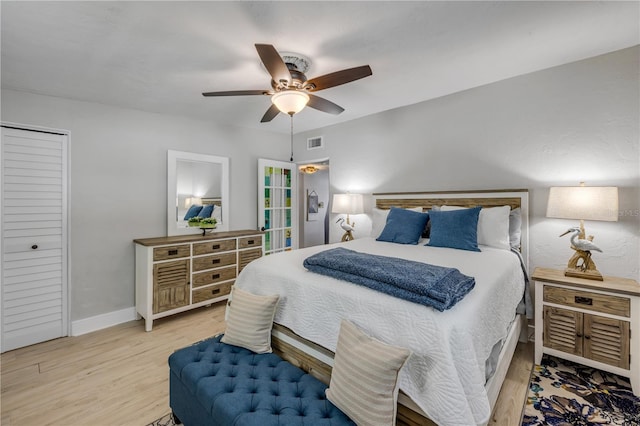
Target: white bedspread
x=445 y=375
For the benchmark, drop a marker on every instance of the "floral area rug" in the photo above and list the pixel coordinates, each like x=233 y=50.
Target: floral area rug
x=563 y=393
x=166 y=420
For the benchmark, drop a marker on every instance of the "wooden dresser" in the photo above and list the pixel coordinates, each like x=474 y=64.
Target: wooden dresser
x=175 y=274
x=595 y=323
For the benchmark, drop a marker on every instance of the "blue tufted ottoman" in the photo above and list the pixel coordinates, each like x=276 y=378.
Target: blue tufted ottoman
x=212 y=383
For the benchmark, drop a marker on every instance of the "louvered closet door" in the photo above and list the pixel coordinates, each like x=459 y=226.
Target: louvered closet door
x=34 y=237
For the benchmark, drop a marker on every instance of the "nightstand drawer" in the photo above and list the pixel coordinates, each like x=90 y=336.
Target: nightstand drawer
x=597 y=302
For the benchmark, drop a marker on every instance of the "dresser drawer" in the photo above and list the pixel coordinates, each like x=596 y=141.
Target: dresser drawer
x=215 y=276
x=246 y=242
x=171 y=252
x=211 y=292
x=596 y=302
x=213 y=261
x=246 y=256
x=215 y=246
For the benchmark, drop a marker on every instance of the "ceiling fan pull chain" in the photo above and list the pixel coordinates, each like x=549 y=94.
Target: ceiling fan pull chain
x=291 y=115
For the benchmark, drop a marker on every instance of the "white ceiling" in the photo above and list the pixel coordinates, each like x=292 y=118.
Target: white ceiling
x=160 y=56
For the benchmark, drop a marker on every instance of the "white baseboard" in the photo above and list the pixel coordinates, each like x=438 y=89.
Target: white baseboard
x=99 y=322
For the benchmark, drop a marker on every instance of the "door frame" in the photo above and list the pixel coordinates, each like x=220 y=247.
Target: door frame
x=300 y=195
x=66 y=217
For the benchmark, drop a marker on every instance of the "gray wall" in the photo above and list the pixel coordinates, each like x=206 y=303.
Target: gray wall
x=118 y=185
x=557 y=127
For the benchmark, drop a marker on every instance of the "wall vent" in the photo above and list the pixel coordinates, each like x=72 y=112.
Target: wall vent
x=315 y=143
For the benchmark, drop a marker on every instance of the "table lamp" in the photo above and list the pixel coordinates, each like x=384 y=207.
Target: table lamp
x=347 y=204
x=583 y=203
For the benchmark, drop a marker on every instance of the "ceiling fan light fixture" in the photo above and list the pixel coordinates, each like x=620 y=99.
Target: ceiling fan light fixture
x=290 y=101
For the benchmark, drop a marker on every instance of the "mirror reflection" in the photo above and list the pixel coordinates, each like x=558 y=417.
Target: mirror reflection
x=199 y=191
x=197 y=188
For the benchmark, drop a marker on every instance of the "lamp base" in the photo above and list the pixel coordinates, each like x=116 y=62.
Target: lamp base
x=581 y=265
x=592 y=274
x=348 y=236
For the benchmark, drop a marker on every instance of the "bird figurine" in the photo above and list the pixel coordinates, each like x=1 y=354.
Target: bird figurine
x=348 y=227
x=583 y=248
x=580 y=243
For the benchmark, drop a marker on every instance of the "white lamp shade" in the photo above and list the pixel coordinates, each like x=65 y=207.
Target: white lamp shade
x=290 y=101
x=347 y=204
x=583 y=202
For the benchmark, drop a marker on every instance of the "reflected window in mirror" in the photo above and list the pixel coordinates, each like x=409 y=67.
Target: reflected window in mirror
x=198 y=186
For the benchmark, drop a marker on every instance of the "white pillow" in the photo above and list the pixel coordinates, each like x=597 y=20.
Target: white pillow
x=364 y=379
x=493 y=226
x=515 y=228
x=379 y=219
x=217 y=214
x=249 y=321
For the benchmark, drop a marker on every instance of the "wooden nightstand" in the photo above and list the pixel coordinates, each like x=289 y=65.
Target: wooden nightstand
x=589 y=322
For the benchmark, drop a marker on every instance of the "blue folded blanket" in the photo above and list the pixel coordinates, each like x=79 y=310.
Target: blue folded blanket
x=416 y=282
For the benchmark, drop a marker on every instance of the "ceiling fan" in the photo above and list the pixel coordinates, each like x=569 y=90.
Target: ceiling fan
x=290 y=90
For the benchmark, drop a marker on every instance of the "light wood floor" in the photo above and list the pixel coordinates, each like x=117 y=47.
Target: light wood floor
x=119 y=376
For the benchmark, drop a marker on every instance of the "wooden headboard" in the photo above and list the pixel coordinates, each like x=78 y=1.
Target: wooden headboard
x=485 y=198
x=214 y=201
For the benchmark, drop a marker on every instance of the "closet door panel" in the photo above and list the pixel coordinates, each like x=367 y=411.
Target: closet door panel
x=34 y=237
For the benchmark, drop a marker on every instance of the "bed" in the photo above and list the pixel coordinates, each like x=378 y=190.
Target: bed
x=459 y=356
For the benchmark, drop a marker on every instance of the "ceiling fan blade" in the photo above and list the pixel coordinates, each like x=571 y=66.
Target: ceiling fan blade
x=270 y=114
x=321 y=104
x=237 y=93
x=273 y=62
x=337 y=78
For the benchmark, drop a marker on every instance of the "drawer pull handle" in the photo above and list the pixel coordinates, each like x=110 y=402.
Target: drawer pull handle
x=214 y=261
x=34 y=247
x=584 y=300
x=215 y=291
x=578 y=335
x=215 y=276
x=250 y=242
x=587 y=337
x=173 y=252
x=215 y=247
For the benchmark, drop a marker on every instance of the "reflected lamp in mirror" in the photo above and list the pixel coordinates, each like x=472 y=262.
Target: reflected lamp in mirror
x=347 y=204
x=583 y=203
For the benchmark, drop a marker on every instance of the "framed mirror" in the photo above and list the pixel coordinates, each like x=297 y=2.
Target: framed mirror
x=196 y=182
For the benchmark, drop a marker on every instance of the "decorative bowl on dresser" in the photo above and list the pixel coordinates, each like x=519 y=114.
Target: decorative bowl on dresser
x=176 y=274
x=595 y=323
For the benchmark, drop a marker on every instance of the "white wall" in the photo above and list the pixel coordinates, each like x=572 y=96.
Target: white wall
x=572 y=123
x=118 y=185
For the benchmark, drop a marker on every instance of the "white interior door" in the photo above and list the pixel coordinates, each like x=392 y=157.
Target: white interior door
x=34 y=237
x=277 y=205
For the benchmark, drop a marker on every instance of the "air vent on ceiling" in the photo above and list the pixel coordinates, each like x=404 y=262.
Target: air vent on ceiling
x=315 y=143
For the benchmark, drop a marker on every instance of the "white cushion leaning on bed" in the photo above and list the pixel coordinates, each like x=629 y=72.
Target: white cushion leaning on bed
x=445 y=375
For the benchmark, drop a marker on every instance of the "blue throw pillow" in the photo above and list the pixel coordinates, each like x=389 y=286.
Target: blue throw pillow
x=193 y=211
x=206 y=211
x=403 y=226
x=456 y=229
